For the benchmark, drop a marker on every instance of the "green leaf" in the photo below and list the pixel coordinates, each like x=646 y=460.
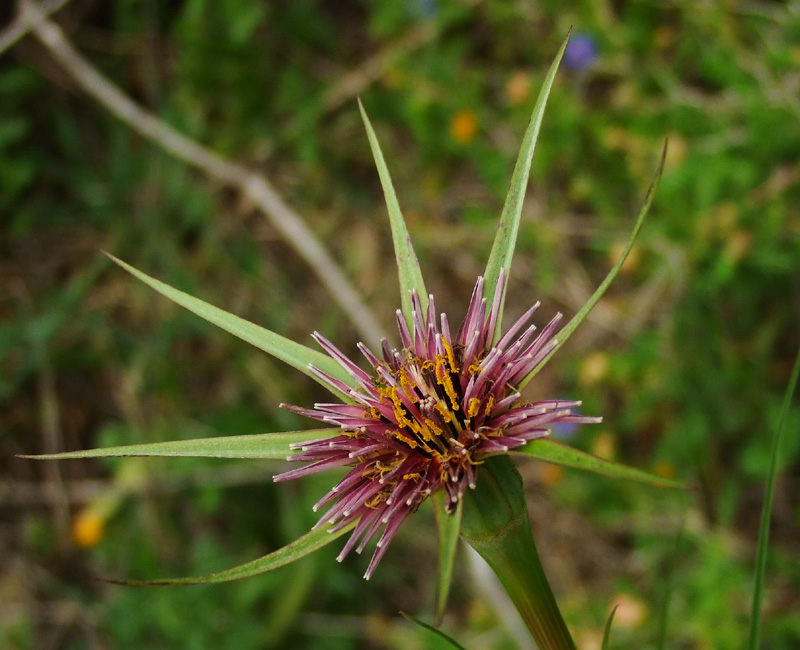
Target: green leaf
x=561 y=454
x=449 y=527
x=300 y=547
x=506 y=239
x=408 y=269
x=296 y=355
x=273 y=446
x=766 y=513
x=667 y=584
x=444 y=637
x=607 y=632
x=570 y=327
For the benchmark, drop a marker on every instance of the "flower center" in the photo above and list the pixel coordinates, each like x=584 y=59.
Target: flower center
x=435 y=428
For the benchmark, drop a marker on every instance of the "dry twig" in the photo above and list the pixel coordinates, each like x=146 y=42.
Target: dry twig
x=27 y=21
x=251 y=184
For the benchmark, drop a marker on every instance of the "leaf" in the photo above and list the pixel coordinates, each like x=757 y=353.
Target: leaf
x=506 y=239
x=302 y=546
x=444 y=637
x=766 y=513
x=449 y=527
x=296 y=355
x=408 y=269
x=570 y=327
x=273 y=446
x=667 y=584
x=561 y=454
x=607 y=632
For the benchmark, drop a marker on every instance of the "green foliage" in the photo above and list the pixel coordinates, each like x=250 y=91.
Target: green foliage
x=686 y=357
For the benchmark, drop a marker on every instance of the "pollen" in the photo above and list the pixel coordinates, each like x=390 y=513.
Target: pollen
x=447 y=383
x=402 y=437
x=450 y=357
x=489 y=406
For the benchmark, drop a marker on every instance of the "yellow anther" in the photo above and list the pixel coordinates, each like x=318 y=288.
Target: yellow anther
x=414 y=475
x=433 y=427
x=400 y=416
x=450 y=357
x=402 y=437
x=474 y=407
x=440 y=370
x=408 y=385
x=489 y=405
x=375 y=501
x=445 y=412
x=474 y=368
x=450 y=390
x=385 y=392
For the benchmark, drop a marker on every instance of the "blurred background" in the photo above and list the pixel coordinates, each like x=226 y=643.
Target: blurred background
x=686 y=357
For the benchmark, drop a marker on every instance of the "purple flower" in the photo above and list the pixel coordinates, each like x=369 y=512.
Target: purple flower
x=426 y=416
x=581 y=53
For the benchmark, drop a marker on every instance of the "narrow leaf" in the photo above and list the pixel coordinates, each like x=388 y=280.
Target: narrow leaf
x=667 y=584
x=302 y=546
x=570 y=327
x=449 y=527
x=408 y=269
x=506 y=239
x=296 y=355
x=444 y=637
x=607 y=632
x=766 y=514
x=561 y=454
x=273 y=446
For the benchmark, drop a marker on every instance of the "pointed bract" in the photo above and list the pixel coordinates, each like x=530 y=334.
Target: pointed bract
x=275 y=446
x=506 y=239
x=302 y=546
x=408 y=269
x=558 y=453
x=296 y=355
x=573 y=324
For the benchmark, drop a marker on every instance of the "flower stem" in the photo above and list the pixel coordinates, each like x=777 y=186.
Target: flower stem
x=496 y=525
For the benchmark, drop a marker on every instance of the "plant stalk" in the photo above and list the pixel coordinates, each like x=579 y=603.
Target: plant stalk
x=496 y=524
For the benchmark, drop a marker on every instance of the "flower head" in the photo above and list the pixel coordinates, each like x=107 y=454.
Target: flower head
x=427 y=415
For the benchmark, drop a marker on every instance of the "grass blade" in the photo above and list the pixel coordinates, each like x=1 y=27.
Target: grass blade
x=506 y=239
x=663 y=615
x=607 y=631
x=570 y=327
x=408 y=269
x=449 y=527
x=763 y=534
x=444 y=637
x=273 y=446
x=296 y=355
x=302 y=546
x=560 y=454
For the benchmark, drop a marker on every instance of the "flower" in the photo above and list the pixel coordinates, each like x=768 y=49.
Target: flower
x=464 y=126
x=581 y=53
x=426 y=416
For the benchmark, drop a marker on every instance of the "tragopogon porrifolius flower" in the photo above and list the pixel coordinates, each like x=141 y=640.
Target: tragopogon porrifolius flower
x=427 y=415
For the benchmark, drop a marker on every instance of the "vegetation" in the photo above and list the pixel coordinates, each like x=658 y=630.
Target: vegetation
x=686 y=357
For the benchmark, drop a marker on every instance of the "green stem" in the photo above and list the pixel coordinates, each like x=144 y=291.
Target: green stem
x=496 y=525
